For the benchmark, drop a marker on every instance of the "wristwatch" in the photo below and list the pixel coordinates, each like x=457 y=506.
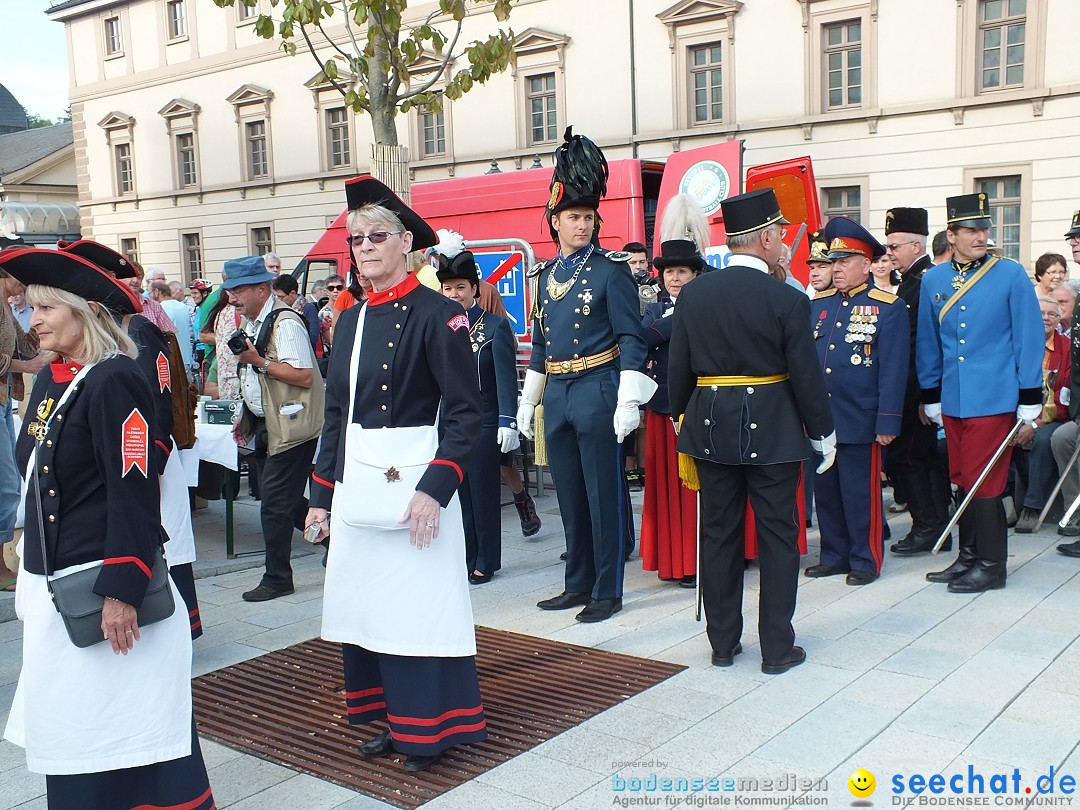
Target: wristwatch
x=265 y=367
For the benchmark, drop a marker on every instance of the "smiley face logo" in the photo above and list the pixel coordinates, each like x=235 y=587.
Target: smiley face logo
x=861 y=783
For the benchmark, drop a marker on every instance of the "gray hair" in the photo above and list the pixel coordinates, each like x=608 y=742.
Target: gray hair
x=1046 y=299
x=1073 y=286
x=744 y=240
x=268 y=256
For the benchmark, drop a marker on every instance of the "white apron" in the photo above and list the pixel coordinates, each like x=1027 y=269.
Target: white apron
x=176 y=512
x=380 y=592
x=88 y=710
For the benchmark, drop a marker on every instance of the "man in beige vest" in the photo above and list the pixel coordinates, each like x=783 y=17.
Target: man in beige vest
x=282 y=413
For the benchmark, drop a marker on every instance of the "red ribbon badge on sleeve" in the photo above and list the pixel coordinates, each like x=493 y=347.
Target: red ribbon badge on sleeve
x=135 y=444
x=458 y=322
x=163 y=377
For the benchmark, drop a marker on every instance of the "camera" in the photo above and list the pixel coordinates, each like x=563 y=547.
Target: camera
x=237 y=342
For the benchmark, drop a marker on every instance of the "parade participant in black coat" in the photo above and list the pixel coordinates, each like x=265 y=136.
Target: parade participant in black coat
x=913 y=461
x=587 y=346
x=88 y=454
x=494 y=349
x=745 y=384
x=402 y=419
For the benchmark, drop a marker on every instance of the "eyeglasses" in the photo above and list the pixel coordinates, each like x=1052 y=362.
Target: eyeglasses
x=892 y=246
x=377 y=238
x=1072 y=240
x=340 y=287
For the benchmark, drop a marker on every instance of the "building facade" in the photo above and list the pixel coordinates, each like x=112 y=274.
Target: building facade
x=196 y=141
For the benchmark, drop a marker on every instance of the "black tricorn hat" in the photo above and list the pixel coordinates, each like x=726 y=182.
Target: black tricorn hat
x=968 y=211
x=66 y=271
x=118 y=265
x=745 y=213
x=907 y=220
x=366 y=189
x=1074 y=228
x=462 y=266
x=679 y=253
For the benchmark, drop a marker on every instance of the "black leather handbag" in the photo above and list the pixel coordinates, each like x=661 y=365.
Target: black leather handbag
x=78 y=605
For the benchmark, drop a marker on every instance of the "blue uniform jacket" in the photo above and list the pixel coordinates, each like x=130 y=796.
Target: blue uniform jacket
x=656 y=326
x=986 y=357
x=495 y=348
x=863 y=342
x=599 y=311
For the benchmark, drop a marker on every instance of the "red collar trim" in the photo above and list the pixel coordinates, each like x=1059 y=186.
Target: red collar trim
x=399 y=290
x=65 y=372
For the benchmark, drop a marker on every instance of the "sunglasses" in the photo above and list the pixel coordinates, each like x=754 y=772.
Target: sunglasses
x=337 y=287
x=377 y=238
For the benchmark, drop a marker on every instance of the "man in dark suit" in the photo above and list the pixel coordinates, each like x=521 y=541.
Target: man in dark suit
x=913 y=461
x=745 y=384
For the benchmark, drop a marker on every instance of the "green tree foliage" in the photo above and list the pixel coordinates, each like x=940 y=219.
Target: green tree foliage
x=369 y=60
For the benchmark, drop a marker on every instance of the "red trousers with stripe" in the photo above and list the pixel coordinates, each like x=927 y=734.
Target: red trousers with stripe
x=972 y=443
x=848 y=498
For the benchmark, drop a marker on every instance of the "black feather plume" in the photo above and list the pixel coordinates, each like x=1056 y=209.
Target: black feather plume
x=580 y=163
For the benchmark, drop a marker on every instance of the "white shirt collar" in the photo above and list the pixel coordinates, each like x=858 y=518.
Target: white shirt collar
x=746 y=260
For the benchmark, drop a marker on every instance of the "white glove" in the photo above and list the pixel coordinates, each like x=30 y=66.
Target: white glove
x=933 y=413
x=635 y=389
x=508 y=439
x=1065 y=396
x=531 y=391
x=1029 y=413
x=827 y=448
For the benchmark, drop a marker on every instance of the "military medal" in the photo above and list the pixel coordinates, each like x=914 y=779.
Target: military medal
x=856 y=360
x=585 y=310
x=477 y=336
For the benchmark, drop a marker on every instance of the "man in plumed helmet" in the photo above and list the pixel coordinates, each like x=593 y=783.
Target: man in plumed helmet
x=862 y=339
x=979 y=353
x=588 y=362
x=745 y=386
x=913 y=462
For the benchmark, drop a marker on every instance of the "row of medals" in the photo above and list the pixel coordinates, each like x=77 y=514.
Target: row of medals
x=861 y=329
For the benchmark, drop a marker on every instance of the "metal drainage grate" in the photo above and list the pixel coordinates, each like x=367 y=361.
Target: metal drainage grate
x=289 y=707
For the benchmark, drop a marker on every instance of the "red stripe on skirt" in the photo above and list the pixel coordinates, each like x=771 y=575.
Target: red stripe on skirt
x=194 y=804
x=432 y=721
x=366 y=707
x=377 y=690
x=431 y=738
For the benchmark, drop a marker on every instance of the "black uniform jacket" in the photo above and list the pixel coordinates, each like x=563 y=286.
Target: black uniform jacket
x=908 y=292
x=153 y=361
x=415 y=357
x=495 y=349
x=99 y=491
x=656 y=326
x=741 y=322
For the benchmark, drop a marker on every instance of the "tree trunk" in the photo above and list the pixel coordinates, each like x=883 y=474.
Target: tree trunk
x=389 y=160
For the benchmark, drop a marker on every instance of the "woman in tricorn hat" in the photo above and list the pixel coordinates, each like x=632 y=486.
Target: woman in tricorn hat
x=402 y=418
x=110 y=725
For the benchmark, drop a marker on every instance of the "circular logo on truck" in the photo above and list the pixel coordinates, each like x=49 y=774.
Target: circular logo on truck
x=707 y=182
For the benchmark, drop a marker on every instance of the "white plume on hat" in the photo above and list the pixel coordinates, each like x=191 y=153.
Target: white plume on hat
x=684 y=219
x=451 y=243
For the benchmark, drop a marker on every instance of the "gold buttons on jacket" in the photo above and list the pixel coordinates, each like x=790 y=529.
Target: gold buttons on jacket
x=45 y=470
x=52 y=493
x=52 y=518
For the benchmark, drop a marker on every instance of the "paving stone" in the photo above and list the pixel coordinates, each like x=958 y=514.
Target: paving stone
x=18 y=786
x=244 y=777
x=859 y=650
x=638 y=725
x=591 y=750
x=221 y=655
x=475 y=794
x=299 y=791
x=539 y=778
x=286 y=636
x=1030 y=745
x=879 y=687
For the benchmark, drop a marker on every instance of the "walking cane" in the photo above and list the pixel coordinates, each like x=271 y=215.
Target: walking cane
x=1069 y=513
x=697 y=579
x=1057 y=488
x=978 y=483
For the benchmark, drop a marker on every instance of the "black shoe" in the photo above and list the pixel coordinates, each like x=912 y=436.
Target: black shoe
x=860 y=578
x=414 y=763
x=635 y=479
x=916 y=543
x=794 y=658
x=377 y=746
x=599 y=609
x=479 y=579
x=265 y=594
x=564 y=601
x=726 y=659
x=688 y=582
x=1070 y=529
x=1070 y=549
x=961 y=566
x=526 y=509
x=983 y=576
x=819 y=570
x=564 y=555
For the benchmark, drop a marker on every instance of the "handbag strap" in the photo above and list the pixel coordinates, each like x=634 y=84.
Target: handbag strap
x=354 y=360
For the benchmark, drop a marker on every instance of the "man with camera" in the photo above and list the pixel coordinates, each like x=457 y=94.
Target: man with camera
x=282 y=413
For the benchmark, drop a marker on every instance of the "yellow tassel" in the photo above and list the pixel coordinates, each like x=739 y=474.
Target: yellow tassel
x=539 y=443
x=688 y=468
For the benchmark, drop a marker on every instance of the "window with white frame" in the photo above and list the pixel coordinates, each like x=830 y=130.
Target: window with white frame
x=186 y=172
x=176 y=19
x=338 y=146
x=262 y=240
x=1002 y=36
x=706 y=82
x=842 y=69
x=1006 y=208
x=255 y=136
x=191 y=256
x=252 y=106
x=432 y=134
x=114 y=41
x=244 y=12
x=542 y=108
x=125 y=171
x=129 y=247
x=842 y=201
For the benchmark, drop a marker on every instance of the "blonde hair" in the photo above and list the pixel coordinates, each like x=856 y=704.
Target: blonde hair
x=102 y=337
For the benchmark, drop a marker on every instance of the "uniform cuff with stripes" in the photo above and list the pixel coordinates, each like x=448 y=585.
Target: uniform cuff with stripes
x=930 y=396
x=123 y=578
x=1030 y=396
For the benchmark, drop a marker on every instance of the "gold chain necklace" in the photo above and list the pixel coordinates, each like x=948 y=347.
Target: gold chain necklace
x=558 y=289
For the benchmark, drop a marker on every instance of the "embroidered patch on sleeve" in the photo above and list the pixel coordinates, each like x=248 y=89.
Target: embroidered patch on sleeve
x=458 y=322
x=163 y=377
x=135 y=444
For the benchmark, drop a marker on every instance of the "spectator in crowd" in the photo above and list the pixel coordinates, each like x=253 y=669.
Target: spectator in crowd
x=1064 y=440
x=152 y=275
x=1050 y=273
x=885 y=275
x=288 y=292
x=151 y=309
x=222 y=380
x=941 y=247
x=781 y=269
x=178 y=314
x=1041 y=469
x=22 y=310
x=1065 y=295
x=273 y=263
x=178 y=292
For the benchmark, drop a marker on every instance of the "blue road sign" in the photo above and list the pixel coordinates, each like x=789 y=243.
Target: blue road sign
x=512 y=285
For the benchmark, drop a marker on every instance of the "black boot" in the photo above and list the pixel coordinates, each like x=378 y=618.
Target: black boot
x=926 y=525
x=991 y=543
x=526 y=509
x=965 y=560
